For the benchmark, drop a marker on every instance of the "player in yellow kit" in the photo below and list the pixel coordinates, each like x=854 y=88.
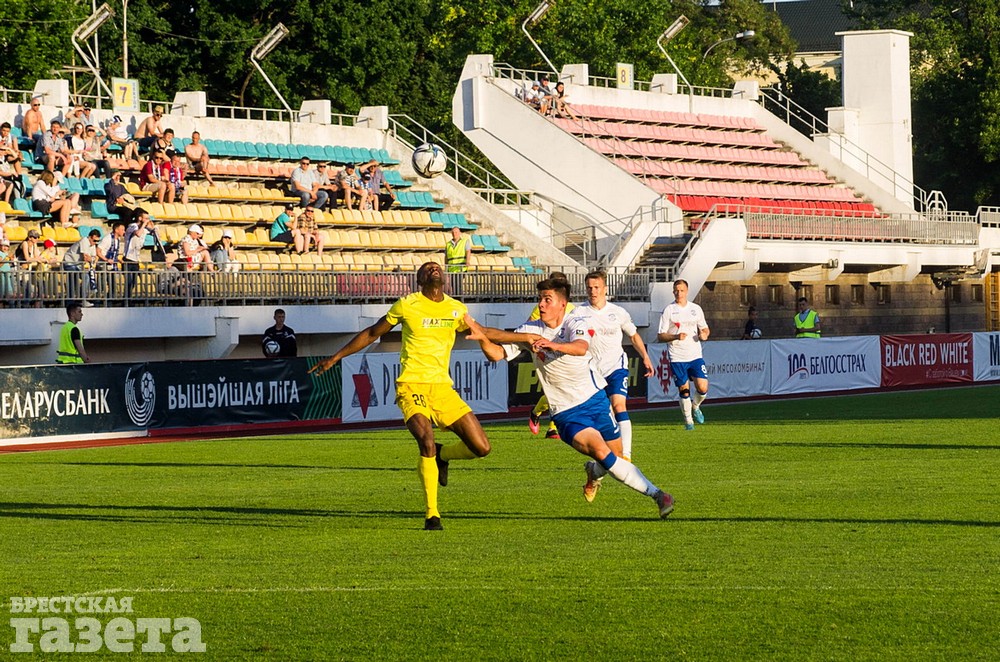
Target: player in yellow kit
x=424 y=390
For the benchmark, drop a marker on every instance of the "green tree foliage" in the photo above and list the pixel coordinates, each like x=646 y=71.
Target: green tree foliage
x=813 y=90
x=955 y=75
x=406 y=54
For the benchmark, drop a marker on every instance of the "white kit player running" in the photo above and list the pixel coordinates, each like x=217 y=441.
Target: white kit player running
x=683 y=326
x=580 y=408
x=609 y=360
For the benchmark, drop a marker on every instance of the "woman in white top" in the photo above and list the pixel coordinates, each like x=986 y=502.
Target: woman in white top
x=48 y=198
x=74 y=146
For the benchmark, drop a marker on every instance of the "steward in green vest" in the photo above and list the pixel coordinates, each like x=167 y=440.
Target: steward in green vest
x=71 y=338
x=457 y=252
x=806 y=320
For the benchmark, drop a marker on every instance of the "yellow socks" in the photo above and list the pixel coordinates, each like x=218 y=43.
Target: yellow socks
x=428 y=471
x=457 y=451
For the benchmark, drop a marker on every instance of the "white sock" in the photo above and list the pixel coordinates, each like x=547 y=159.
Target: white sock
x=626 y=428
x=686 y=409
x=630 y=475
x=698 y=398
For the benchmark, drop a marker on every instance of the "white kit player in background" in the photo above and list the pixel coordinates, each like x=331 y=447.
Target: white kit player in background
x=559 y=347
x=683 y=326
x=609 y=321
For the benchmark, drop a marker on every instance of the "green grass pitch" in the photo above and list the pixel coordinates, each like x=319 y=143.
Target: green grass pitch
x=848 y=528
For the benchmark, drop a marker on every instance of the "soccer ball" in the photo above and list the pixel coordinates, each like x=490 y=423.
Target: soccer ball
x=429 y=160
x=272 y=348
x=755 y=334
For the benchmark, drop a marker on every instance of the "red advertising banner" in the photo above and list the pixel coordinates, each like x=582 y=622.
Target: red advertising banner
x=927 y=359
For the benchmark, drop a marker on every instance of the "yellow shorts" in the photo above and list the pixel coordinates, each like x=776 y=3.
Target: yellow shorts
x=438 y=402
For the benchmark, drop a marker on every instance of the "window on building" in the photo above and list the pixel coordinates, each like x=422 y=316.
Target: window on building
x=748 y=295
x=955 y=292
x=976 y=293
x=833 y=295
x=884 y=293
x=807 y=292
x=776 y=295
x=858 y=294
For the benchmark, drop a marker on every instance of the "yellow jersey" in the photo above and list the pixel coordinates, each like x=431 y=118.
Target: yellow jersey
x=537 y=315
x=429 y=329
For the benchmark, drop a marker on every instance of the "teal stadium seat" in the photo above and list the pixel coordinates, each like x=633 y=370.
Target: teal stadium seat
x=22 y=204
x=272 y=151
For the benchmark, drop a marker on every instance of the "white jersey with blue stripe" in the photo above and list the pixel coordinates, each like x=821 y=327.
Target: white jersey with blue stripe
x=606 y=348
x=567 y=380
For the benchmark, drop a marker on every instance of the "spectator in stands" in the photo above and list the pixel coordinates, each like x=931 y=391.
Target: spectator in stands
x=7 y=186
x=543 y=88
x=135 y=239
x=70 y=349
x=457 y=251
x=279 y=337
x=117 y=135
x=116 y=196
x=48 y=198
x=48 y=261
x=350 y=185
x=806 y=320
x=533 y=95
x=750 y=330
x=50 y=155
x=32 y=125
x=77 y=115
x=10 y=152
x=306 y=223
x=195 y=251
x=7 y=289
x=173 y=283
x=155 y=178
x=28 y=256
x=81 y=255
x=285 y=230
x=331 y=187
x=555 y=104
x=305 y=185
x=164 y=143
x=73 y=148
x=94 y=152
x=150 y=130
x=177 y=177
x=224 y=254
x=110 y=253
x=197 y=157
x=376 y=184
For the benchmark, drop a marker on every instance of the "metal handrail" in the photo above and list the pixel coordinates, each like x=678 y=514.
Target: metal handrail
x=504 y=70
x=795 y=113
x=155 y=287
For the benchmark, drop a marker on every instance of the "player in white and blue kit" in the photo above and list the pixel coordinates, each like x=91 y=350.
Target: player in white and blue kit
x=609 y=321
x=683 y=326
x=580 y=408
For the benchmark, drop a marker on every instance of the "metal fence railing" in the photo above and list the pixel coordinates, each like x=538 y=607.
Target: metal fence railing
x=160 y=287
x=803 y=121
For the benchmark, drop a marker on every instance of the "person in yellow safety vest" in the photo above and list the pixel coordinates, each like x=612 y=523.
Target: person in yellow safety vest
x=806 y=321
x=71 y=338
x=457 y=252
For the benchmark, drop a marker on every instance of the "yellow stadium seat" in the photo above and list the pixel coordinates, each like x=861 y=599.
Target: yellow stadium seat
x=16 y=233
x=213 y=233
x=250 y=260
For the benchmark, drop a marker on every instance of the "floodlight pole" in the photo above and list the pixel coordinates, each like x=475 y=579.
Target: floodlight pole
x=85 y=31
x=124 y=38
x=669 y=34
x=739 y=36
x=533 y=18
x=262 y=50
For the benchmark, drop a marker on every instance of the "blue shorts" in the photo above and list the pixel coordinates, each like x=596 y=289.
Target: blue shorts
x=594 y=413
x=685 y=371
x=617 y=383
